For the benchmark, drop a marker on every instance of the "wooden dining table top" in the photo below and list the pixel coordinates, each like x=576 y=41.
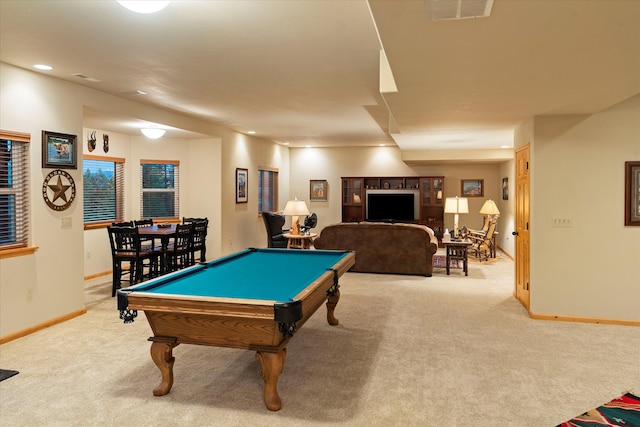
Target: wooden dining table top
x=157 y=230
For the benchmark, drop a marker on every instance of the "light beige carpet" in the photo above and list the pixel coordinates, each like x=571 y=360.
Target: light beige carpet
x=409 y=351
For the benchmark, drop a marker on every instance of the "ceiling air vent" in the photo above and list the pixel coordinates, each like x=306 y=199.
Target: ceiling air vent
x=446 y=10
x=85 y=77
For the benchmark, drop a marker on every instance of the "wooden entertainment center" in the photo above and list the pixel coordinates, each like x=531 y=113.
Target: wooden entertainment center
x=429 y=188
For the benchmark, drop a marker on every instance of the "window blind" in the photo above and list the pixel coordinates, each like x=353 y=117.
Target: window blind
x=103 y=182
x=14 y=190
x=160 y=183
x=267 y=190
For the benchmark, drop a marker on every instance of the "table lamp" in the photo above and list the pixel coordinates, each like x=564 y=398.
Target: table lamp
x=295 y=208
x=490 y=208
x=456 y=205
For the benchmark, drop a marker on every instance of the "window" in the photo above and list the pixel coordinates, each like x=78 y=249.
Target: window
x=14 y=189
x=103 y=180
x=159 y=197
x=267 y=190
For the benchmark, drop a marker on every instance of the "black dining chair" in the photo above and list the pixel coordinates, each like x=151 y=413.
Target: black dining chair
x=126 y=251
x=179 y=251
x=147 y=222
x=200 y=226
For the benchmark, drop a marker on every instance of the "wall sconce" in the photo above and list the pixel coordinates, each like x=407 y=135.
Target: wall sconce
x=295 y=208
x=456 y=205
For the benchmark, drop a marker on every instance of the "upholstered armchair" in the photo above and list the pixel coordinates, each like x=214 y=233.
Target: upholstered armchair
x=274 y=223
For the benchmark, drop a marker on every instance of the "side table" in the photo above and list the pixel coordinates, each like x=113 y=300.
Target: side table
x=299 y=241
x=457 y=251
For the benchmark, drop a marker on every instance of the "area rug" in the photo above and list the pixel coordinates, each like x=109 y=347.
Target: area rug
x=623 y=411
x=440 y=261
x=6 y=373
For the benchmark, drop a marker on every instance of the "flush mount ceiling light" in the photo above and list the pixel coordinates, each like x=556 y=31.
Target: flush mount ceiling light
x=153 y=133
x=43 y=67
x=144 y=6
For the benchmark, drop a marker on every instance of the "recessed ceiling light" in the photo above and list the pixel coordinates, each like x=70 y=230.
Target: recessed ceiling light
x=144 y=6
x=251 y=132
x=43 y=67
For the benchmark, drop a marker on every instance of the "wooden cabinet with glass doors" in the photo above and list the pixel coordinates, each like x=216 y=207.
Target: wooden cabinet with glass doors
x=432 y=203
x=352 y=200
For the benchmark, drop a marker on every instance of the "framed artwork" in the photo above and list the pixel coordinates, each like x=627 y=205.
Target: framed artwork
x=241 y=185
x=472 y=187
x=505 y=188
x=632 y=193
x=318 y=190
x=59 y=150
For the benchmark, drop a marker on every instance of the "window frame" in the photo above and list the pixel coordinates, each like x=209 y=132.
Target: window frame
x=21 y=245
x=175 y=190
x=120 y=190
x=271 y=195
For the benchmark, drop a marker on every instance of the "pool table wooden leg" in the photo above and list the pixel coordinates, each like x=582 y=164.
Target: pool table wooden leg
x=272 y=364
x=332 y=301
x=161 y=353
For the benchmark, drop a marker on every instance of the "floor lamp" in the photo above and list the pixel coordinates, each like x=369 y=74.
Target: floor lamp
x=295 y=208
x=456 y=205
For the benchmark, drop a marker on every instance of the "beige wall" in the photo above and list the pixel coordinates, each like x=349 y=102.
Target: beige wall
x=591 y=269
x=242 y=226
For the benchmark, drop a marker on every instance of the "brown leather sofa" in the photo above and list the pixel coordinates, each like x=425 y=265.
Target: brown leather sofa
x=383 y=247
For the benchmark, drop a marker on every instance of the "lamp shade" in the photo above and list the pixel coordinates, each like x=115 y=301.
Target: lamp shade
x=153 y=133
x=456 y=205
x=296 y=208
x=489 y=208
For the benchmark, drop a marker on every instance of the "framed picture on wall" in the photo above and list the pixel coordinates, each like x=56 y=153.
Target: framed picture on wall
x=241 y=185
x=59 y=150
x=472 y=187
x=318 y=190
x=505 y=188
x=632 y=193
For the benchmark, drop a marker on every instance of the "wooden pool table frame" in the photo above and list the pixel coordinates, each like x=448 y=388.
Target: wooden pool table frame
x=231 y=322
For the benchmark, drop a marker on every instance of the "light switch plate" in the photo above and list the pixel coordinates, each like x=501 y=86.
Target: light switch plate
x=564 y=222
x=65 y=222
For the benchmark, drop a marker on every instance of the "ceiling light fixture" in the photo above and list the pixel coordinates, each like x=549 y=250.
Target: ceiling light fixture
x=144 y=6
x=251 y=132
x=43 y=67
x=153 y=133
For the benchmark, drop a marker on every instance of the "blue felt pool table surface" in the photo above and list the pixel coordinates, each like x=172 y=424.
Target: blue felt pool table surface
x=259 y=274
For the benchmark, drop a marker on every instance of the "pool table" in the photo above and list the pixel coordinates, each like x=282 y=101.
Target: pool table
x=255 y=299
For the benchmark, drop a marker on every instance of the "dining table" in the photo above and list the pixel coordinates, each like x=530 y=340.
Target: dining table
x=163 y=232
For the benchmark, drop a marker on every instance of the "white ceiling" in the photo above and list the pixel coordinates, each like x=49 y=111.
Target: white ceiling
x=308 y=72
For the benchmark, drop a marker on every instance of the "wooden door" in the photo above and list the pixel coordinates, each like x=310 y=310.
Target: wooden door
x=522 y=225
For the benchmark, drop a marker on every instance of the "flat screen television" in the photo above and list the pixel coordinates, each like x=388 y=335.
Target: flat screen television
x=392 y=205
